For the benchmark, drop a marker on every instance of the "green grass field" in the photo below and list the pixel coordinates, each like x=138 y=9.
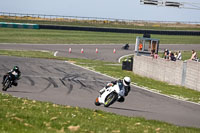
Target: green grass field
x=12 y=35
x=19 y=115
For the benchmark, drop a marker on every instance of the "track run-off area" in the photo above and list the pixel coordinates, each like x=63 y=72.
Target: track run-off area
x=105 y=52
x=64 y=83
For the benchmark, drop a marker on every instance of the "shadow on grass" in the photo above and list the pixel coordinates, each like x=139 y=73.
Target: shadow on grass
x=18 y=91
x=126 y=109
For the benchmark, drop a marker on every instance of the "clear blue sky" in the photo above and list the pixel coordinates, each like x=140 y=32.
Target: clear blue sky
x=119 y=9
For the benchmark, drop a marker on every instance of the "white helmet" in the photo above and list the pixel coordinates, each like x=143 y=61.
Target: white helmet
x=126 y=81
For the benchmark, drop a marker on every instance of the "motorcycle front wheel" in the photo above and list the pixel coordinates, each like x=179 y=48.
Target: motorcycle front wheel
x=110 y=99
x=6 y=84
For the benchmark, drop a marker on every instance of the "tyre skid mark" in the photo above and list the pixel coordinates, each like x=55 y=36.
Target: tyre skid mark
x=45 y=69
x=30 y=79
x=51 y=82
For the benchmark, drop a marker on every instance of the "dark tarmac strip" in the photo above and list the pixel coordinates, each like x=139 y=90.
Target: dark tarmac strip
x=105 y=52
x=63 y=83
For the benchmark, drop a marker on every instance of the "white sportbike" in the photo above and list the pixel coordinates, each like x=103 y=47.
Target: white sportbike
x=110 y=95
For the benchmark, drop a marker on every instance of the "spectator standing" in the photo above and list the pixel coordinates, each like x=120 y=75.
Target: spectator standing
x=194 y=56
x=179 y=57
x=152 y=53
x=176 y=54
x=166 y=54
x=171 y=56
x=140 y=46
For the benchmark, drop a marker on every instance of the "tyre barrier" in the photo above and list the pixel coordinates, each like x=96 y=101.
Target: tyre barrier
x=19 y=25
x=96 y=29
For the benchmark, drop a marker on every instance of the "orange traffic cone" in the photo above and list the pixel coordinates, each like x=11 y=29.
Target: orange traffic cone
x=82 y=51
x=70 y=50
x=114 y=51
x=97 y=50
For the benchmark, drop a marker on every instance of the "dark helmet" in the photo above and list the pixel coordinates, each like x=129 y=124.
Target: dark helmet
x=16 y=68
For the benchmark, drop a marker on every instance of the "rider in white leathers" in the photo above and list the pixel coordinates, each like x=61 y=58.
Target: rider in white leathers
x=126 y=83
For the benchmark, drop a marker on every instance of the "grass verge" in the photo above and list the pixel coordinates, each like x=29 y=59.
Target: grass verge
x=42 y=36
x=21 y=115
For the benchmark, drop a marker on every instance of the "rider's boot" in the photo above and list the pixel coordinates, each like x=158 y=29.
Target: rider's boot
x=121 y=99
x=14 y=83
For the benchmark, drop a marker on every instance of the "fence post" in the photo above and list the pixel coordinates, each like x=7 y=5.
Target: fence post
x=184 y=73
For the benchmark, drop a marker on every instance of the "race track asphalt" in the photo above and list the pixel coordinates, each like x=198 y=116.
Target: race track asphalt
x=63 y=83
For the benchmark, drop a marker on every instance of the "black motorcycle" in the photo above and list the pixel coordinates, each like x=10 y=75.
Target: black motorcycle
x=7 y=82
x=125 y=47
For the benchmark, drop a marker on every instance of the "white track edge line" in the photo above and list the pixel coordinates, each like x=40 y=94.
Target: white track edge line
x=123 y=57
x=55 y=53
x=135 y=85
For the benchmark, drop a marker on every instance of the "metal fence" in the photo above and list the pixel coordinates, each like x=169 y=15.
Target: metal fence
x=24 y=16
x=43 y=19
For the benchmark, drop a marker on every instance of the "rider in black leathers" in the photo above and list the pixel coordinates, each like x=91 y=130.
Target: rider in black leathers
x=15 y=75
x=126 y=47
